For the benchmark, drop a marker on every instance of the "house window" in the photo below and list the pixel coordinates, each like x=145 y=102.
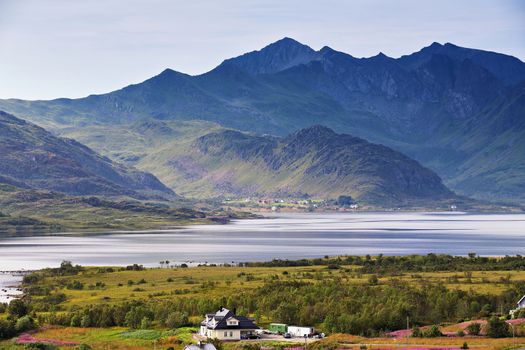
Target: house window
x=231 y=334
x=225 y=334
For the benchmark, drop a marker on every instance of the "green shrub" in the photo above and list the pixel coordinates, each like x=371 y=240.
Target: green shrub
x=24 y=324
x=83 y=347
x=176 y=319
x=474 y=328
x=40 y=346
x=497 y=328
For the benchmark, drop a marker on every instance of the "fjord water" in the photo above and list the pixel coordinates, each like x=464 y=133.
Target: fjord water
x=281 y=235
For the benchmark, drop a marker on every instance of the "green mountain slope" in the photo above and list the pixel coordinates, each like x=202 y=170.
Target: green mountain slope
x=202 y=159
x=31 y=157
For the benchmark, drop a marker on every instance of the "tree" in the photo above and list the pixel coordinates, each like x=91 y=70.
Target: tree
x=7 y=329
x=145 y=323
x=176 y=319
x=17 y=308
x=497 y=328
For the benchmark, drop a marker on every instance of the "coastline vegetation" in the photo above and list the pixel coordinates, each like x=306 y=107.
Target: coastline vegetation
x=362 y=296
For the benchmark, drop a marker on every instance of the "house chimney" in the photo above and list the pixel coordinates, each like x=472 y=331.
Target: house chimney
x=220 y=308
x=235 y=311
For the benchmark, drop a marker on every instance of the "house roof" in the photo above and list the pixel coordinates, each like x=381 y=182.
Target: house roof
x=221 y=317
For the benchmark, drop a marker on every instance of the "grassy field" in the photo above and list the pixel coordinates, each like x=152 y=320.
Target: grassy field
x=163 y=283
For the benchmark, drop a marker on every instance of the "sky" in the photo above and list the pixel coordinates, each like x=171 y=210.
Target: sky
x=66 y=48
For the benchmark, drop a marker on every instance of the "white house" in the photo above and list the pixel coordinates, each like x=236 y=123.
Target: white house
x=297 y=331
x=521 y=305
x=226 y=325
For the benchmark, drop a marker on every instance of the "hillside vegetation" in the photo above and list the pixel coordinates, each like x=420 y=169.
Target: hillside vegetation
x=31 y=157
x=336 y=295
x=201 y=159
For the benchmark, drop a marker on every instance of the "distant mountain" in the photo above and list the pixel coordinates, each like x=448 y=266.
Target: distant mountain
x=205 y=160
x=434 y=105
x=314 y=161
x=31 y=157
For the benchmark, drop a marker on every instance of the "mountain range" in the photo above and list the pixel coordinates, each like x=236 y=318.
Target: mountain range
x=458 y=111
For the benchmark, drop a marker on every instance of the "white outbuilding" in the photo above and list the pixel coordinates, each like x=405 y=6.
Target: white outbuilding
x=297 y=331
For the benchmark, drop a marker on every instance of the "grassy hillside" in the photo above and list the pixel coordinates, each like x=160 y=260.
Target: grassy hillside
x=201 y=159
x=26 y=211
x=31 y=157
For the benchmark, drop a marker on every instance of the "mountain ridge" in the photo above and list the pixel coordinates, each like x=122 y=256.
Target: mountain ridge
x=412 y=103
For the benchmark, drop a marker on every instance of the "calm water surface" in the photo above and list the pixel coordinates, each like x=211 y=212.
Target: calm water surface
x=290 y=236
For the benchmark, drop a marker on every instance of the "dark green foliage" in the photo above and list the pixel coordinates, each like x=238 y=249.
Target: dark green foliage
x=24 y=324
x=474 y=328
x=77 y=285
x=83 y=347
x=7 y=328
x=432 y=332
x=345 y=200
x=497 y=328
x=135 y=267
x=17 y=308
x=464 y=346
x=410 y=263
x=40 y=346
x=217 y=343
x=176 y=319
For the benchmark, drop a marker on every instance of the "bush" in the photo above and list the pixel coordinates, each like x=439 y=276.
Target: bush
x=474 y=329
x=40 y=346
x=7 y=329
x=176 y=319
x=416 y=332
x=145 y=323
x=460 y=333
x=17 y=308
x=373 y=280
x=24 y=324
x=497 y=328
x=464 y=346
x=432 y=332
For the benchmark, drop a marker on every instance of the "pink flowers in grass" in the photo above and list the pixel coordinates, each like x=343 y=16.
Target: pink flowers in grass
x=28 y=338
x=418 y=349
x=516 y=321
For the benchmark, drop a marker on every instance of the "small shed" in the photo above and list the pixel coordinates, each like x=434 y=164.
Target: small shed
x=297 y=331
x=277 y=328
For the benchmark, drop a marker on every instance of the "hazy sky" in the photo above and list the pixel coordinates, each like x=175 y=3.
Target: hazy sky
x=66 y=48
